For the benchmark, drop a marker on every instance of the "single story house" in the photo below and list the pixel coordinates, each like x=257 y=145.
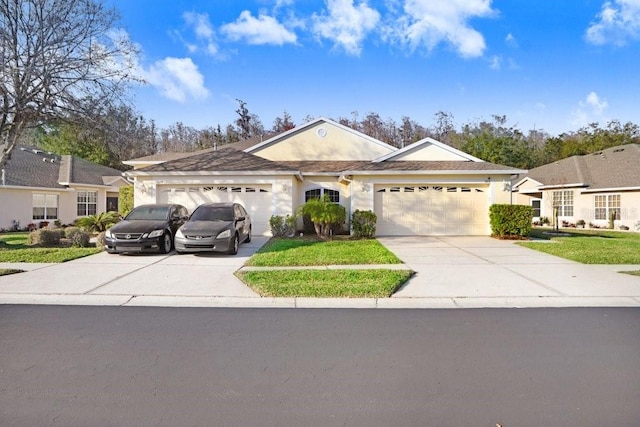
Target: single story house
x=426 y=188
x=589 y=187
x=37 y=186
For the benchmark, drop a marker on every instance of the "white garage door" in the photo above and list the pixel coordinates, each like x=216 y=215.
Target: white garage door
x=432 y=210
x=256 y=199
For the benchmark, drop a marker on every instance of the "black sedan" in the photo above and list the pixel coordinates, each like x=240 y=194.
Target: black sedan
x=215 y=227
x=147 y=228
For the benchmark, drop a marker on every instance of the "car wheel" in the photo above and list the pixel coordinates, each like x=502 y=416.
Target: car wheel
x=248 y=239
x=235 y=242
x=165 y=245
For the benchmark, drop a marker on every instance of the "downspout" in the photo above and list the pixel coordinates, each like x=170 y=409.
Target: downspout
x=3 y=177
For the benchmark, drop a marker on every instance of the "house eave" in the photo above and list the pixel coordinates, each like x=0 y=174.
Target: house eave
x=432 y=172
x=23 y=187
x=556 y=186
x=609 y=189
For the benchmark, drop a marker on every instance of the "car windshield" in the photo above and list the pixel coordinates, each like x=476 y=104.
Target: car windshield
x=155 y=213
x=212 y=213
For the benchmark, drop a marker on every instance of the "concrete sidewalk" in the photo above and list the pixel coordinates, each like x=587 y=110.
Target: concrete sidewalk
x=451 y=272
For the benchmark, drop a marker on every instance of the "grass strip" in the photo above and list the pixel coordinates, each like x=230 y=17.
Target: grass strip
x=377 y=283
x=304 y=252
x=632 y=272
x=45 y=254
x=591 y=246
x=7 y=271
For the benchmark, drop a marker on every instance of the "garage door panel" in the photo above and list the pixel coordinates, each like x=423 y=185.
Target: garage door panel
x=431 y=210
x=256 y=199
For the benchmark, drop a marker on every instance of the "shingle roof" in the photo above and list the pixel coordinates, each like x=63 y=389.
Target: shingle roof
x=231 y=160
x=615 y=167
x=30 y=167
x=367 y=166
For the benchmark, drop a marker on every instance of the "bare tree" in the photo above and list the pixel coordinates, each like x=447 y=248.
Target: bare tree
x=55 y=56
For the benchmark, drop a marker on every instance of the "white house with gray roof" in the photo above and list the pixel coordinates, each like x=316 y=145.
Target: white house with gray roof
x=427 y=188
x=589 y=187
x=37 y=186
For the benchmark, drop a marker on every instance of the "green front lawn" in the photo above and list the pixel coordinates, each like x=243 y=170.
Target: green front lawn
x=296 y=252
x=310 y=251
x=6 y=271
x=14 y=248
x=325 y=283
x=590 y=246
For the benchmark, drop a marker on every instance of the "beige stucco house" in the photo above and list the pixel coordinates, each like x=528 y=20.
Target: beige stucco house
x=588 y=188
x=37 y=186
x=426 y=188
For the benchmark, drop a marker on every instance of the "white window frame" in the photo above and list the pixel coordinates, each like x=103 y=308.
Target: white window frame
x=563 y=200
x=323 y=191
x=604 y=204
x=48 y=204
x=89 y=199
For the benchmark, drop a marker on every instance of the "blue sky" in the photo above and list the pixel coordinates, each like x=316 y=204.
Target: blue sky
x=545 y=64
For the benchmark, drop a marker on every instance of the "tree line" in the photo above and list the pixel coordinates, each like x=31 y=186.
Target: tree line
x=120 y=134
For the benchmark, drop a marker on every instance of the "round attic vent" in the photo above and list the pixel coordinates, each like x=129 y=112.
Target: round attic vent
x=321 y=132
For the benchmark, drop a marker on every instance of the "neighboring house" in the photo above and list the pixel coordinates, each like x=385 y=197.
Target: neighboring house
x=588 y=188
x=426 y=188
x=37 y=186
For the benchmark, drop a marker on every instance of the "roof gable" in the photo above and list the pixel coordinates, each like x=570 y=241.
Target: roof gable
x=428 y=149
x=319 y=140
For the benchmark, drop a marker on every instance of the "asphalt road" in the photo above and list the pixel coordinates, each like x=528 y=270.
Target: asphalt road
x=127 y=366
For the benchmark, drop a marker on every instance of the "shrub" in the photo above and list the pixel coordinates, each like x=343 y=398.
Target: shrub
x=125 y=200
x=510 y=220
x=100 y=240
x=364 y=224
x=325 y=214
x=79 y=238
x=282 y=226
x=98 y=222
x=45 y=237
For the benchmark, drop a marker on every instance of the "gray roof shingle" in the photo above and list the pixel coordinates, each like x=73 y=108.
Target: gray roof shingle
x=30 y=167
x=615 y=167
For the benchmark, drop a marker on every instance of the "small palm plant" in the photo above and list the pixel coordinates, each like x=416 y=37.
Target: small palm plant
x=99 y=222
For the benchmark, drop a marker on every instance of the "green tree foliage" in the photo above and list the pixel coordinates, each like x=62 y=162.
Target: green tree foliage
x=364 y=224
x=56 y=55
x=98 y=222
x=324 y=214
x=510 y=220
x=125 y=199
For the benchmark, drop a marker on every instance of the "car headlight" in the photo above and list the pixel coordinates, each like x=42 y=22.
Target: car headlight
x=108 y=234
x=179 y=233
x=156 y=233
x=224 y=235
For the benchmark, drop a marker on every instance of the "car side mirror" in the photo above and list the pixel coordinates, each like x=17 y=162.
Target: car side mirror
x=240 y=218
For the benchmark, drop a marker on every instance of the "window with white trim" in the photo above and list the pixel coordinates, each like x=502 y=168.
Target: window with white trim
x=605 y=204
x=563 y=200
x=87 y=203
x=317 y=193
x=45 y=206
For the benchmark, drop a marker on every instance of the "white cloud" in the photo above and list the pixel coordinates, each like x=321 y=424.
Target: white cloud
x=495 y=62
x=204 y=32
x=261 y=30
x=177 y=78
x=511 y=41
x=346 y=24
x=589 y=110
x=427 y=23
x=617 y=23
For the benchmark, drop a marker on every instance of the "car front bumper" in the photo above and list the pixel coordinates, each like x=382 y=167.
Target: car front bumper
x=112 y=245
x=184 y=244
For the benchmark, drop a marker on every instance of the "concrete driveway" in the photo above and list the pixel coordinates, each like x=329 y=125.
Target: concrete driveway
x=141 y=279
x=450 y=272
x=489 y=272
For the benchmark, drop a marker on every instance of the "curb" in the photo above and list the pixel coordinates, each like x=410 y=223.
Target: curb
x=322 y=303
